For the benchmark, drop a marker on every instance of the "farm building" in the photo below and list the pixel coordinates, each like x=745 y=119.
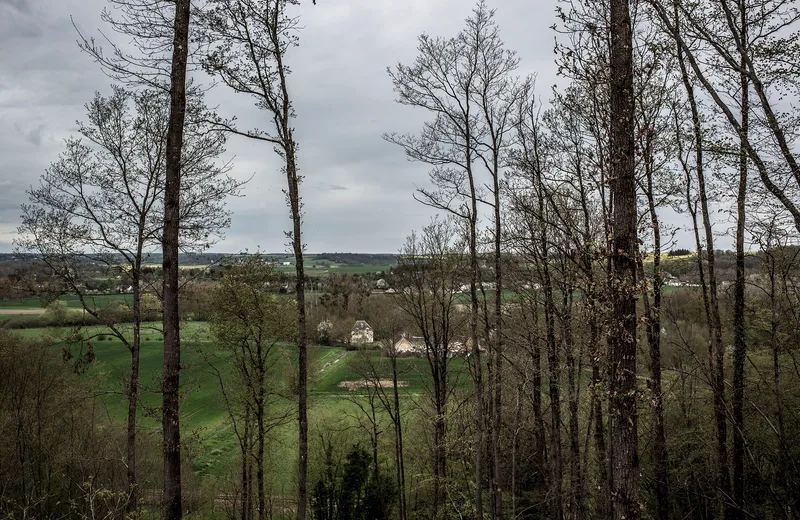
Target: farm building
x=362 y=333
x=461 y=346
x=406 y=344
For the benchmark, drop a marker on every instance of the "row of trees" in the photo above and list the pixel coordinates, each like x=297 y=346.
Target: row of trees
x=565 y=204
x=574 y=196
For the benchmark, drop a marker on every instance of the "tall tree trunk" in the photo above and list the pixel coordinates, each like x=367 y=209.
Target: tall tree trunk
x=246 y=496
x=554 y=377
x=739 y=328
x=398 y=429
x=540 y=440
x=172 y=509
x=553 y=362
x=718 y=377
x=261 y=440
x=573 y=375
x=515 y=449
x=302 y=401
x=497 y=491
x=133 y=390
x=717 y=362
x=622 y=337
x=785 y=456
x=474 y=279
x=653 y=328
x=259 y=399
x=441 y=444
x=591 y=308
x=439 y=457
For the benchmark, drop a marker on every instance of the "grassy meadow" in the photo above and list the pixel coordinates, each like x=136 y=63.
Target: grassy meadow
x=204 y=419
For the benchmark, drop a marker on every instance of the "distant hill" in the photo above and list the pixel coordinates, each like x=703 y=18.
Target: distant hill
x=196 y=259
x=357 y=259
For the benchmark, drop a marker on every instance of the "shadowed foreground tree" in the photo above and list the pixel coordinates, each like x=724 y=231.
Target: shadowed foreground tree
x=172 y=506
x=157 y=55
x=622 y=331
x=56 y=461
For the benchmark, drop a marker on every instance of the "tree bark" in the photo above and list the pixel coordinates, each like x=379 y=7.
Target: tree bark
x=172 y=509
x=245 y=446
x=261 y=440
x=739 y=327
x=133 y=390
x=573 y=396
x=476 y=356
x=653 y=314
x=398 y=428
x=302 y=401
x=554 y=377
x=622 y=337
x=497 y=491
x=785 y=456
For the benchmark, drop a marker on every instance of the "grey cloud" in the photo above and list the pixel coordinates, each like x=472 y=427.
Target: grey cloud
x=23 y=6
x=35 y=136
x=358 y=189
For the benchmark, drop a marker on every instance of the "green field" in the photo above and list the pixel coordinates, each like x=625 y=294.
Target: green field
x=72 y=301
x=203 y=415
x=313 y=269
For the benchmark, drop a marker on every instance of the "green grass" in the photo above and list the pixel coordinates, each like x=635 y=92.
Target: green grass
x=314 y=269
x=27 y=303
x=204 y=419
x=72 y=301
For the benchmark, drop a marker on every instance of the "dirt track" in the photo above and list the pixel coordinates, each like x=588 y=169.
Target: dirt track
x=22 y=311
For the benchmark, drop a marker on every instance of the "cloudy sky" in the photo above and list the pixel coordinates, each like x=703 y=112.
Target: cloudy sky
x=358 y=189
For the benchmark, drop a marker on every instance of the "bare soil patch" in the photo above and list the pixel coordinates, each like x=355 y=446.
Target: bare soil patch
x=358 y=385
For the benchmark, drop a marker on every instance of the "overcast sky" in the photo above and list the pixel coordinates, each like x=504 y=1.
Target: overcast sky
x=358 y=189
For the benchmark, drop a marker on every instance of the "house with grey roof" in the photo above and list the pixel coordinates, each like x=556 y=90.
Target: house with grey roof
x=362 y=333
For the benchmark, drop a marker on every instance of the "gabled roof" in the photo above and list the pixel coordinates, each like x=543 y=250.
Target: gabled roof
x=362 y=325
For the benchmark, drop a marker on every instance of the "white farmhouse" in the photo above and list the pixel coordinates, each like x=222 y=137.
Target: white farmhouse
x=362 y=333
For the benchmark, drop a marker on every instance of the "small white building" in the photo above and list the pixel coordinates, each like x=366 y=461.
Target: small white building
x=362 y=333
x=403 y=345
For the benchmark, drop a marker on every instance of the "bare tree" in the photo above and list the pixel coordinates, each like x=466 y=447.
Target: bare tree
x=159 y=34
x=468 y=84
x=373 y=370
x=755 y=51
x=710 y=295
x=102 y=202
x=247 y=45
x=145 y=59
x=430 y=272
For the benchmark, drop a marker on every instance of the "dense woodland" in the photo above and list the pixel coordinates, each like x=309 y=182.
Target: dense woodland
x=577 y=360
